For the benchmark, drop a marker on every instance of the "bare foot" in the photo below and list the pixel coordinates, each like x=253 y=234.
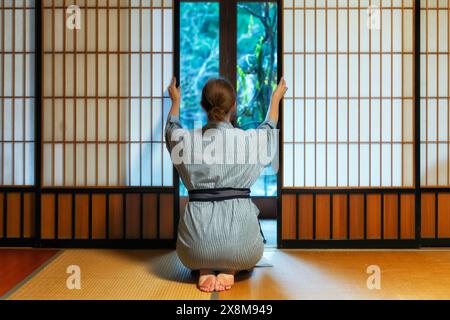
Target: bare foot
x=207 y=281
x=225 y=281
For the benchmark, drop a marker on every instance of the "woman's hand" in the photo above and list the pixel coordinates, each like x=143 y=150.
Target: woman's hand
x=175 y=96
x=280 y=91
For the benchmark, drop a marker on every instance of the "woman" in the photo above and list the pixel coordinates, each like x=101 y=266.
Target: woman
x=219 y=231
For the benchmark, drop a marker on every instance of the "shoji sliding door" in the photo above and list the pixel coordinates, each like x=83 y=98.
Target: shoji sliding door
x=348 y=123
x=435 y=122
x=106 y=172
x=17 y=117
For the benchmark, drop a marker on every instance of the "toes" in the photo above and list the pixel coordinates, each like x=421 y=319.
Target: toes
x=220 y=284
x=212 y=287
x=206 y=288
x=220 y=287
x=226 y=279
x=207 y=284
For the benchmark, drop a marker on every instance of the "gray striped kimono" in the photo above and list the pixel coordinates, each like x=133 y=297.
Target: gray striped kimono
x=220 y=235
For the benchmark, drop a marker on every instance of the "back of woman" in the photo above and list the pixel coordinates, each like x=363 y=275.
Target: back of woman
x=219 y=230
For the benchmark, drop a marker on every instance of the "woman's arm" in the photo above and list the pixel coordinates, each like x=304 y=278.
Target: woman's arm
x=277 y=96
x=173 y=119
x=270 y=124
x=175 y=96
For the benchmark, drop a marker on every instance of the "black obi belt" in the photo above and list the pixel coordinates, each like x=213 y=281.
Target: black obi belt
x=218 y=194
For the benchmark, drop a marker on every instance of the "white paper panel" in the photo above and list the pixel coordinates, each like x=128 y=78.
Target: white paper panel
x=17 y=69
x=103 y=94
x=348 y=116
x=435 y=120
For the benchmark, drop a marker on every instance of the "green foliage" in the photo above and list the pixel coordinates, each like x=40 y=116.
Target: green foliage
x=199 y=55
x=257 y=72
x=257 y=61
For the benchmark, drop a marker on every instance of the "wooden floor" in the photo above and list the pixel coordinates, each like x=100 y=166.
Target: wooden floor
x=296 y=274
x=343 y=275
x=16 y=265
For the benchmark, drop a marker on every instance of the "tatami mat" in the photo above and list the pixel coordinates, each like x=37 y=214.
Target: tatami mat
x=114 y=274
x=296 y=274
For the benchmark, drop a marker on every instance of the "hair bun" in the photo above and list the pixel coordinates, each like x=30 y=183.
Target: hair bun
x=218 y=98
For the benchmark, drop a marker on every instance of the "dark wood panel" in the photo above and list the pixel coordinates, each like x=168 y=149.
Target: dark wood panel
x=82 y=216
x=390 y=216
x=13 y=215
x=65 y=216
x=166 y=216
x=428 y=215
x=267 y=207
x=150 y=219
x=48 y=216
x=116 y=216
x=98 y=216
x=228 y=40
x=323 y=217
x=408 y=216
x=29 y=212
x=288 y=220
x=356 y=216
x=373 y=216
x=133 y=216
x=305 y=216
x=339 y=216
x=444 y=215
